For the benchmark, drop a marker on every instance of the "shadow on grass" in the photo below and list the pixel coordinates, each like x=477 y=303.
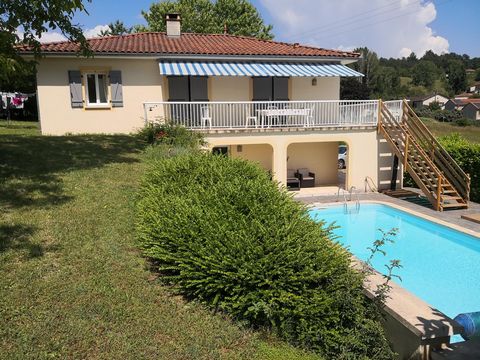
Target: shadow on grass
x=31 y=166
x=17 y=237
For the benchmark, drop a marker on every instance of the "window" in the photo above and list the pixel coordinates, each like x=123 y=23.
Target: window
x=270 y=88
x=187 y=88
x=96 y=89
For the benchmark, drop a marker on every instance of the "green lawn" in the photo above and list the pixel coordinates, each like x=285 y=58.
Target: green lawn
x=72 y=283
x=471 y=133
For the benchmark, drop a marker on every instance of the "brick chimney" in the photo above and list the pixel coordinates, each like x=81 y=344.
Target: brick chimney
x=173 y=25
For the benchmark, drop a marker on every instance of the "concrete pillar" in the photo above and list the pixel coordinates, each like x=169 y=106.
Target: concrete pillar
x=280 y=163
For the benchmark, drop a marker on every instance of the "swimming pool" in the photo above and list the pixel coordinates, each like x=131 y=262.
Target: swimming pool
x=440 y=265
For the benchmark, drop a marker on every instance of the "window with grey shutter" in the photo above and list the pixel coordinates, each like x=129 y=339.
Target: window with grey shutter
x=198 y=88
x=75 y=81
x=116 y=88
x=280 y=88
x=262 y=89
x=178 y=88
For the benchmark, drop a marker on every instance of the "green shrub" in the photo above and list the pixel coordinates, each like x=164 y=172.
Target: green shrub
x=168 y=134
x=464 y=122
x=223 y=233
x=440 y=115
x=467 y=155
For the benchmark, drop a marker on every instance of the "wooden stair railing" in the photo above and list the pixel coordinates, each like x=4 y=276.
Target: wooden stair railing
x=429 y=164
x=442 y=159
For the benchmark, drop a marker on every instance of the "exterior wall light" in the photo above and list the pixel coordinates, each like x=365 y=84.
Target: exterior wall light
x=314 y=82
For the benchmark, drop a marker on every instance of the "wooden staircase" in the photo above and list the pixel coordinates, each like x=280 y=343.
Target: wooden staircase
x=432 y=168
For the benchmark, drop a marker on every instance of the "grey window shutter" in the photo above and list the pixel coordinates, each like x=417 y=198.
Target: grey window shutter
x=280 y=88
x=116 y=88
x=262 y=89
x=198 y=88
x=75 y=81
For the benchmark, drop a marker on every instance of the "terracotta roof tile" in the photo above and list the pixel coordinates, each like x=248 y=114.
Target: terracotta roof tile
x=156 y=43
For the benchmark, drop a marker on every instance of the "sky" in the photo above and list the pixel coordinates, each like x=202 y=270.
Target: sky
x=392 y=28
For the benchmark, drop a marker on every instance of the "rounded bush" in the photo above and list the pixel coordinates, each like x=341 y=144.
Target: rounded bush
x=225 y=234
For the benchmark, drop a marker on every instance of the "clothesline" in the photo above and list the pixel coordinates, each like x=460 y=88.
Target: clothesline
x=13 y=100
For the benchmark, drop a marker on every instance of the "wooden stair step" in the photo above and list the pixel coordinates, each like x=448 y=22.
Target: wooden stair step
x=445 y=198
x=457 y=205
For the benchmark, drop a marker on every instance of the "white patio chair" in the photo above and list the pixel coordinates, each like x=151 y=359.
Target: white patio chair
x=308 y=121
x=205 y=117
x=249 y=118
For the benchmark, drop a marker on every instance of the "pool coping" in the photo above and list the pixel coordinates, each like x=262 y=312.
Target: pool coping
x=415 y=314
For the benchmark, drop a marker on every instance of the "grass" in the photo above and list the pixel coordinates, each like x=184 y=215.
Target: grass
x=471 y=133
x=72 y=282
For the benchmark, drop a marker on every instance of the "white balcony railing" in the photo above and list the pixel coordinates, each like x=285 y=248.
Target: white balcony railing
x=264 y=114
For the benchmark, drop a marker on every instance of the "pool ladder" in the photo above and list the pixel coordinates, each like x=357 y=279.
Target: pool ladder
x=346 y=210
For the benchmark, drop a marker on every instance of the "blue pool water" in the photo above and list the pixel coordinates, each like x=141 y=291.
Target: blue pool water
x=440 y=265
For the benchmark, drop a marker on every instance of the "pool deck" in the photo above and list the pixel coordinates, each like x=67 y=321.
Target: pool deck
x=418 y=328
x=328 y=195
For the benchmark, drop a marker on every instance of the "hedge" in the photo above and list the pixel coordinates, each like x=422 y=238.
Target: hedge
x=224 y=234
x=467 y=155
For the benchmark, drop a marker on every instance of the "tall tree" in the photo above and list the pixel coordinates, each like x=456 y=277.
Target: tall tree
x=239 y=17
x=367 y=65
x=424 y=73
x=24 y=21
x=116 y=28
x=457 y=78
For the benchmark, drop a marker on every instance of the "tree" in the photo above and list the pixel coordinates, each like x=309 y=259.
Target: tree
x=477 y=75
x=386 y=82
x=204 y=16
x=424 y=73
x=24 y=21
x=116 y=28
x=457 y=78
x=367 y=65
x=353 y=89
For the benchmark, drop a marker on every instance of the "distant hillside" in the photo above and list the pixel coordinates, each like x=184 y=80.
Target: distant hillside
x=447 y=74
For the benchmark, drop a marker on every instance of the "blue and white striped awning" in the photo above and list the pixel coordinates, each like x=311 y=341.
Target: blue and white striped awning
x=298 y=69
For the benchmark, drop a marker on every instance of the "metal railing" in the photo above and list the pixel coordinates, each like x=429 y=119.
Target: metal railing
x=263 y=114
x=395 y=107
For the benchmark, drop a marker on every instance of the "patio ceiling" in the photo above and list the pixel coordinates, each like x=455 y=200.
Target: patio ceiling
x=256 y=69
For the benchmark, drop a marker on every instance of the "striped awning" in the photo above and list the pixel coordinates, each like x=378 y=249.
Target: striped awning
x=298 y=69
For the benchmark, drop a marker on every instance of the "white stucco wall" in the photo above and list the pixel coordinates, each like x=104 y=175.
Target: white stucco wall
x=327 y=88
x=229 y=88
x=141 y=81
x=364 y=146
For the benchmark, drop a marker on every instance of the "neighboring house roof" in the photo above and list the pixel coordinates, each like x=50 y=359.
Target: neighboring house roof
x=475 y=105
x=157 y=43
x=463 y=102
x=463 y=95
x=426 y=97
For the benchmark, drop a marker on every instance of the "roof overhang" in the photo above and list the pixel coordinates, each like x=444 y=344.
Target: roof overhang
x=196 y=57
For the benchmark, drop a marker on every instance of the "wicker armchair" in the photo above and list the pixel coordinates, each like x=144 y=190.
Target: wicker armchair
x=307 y=178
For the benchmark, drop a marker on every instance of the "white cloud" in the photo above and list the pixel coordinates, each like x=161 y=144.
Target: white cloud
x=94 y=32
x=52 y=36
x=391 y=28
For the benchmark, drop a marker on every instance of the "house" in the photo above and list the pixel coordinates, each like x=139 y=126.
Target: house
x=472 y=110
x=459 y=104
x=455 y=104
x=425 y=100
x=475 y=88
x=274 y=103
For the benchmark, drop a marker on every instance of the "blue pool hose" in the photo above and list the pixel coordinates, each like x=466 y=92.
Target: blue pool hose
x=470 y=323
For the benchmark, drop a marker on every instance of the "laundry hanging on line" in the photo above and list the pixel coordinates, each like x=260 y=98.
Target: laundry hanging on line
x=10 y=100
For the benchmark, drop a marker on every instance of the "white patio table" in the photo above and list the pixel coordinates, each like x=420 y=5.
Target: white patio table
x=269 y=114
